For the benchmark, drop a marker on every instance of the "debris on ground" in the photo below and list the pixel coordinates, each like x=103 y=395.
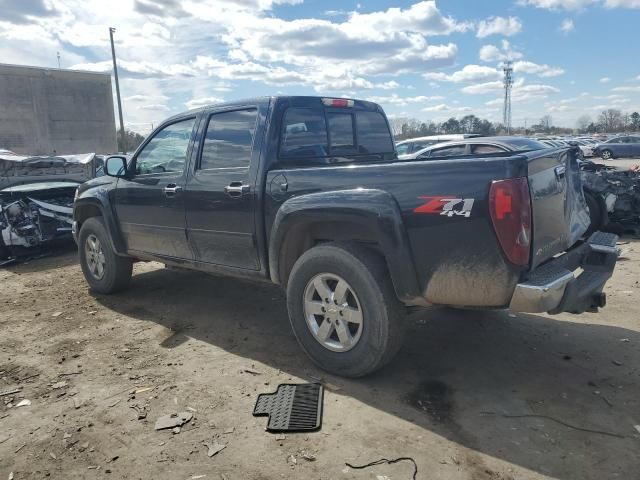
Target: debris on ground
x=141 y=411
x=384 y=461
x=10 y=392
x=252 y=371
x=213 y=447
x=291 y=460
x=23 y=403
x=229 y=430
x=173 y=420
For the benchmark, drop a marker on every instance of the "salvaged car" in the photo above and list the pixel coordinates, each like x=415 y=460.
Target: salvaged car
x=36 y=199
x=613 y=197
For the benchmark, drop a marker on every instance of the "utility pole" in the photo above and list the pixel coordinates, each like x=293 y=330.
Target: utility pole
x=58 y=55
x=115 y=73
x=508 y=83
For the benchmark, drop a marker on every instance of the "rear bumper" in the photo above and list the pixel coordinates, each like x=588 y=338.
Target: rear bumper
x=554 y=287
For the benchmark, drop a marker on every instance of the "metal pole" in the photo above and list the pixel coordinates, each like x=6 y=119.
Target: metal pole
x=115 y=73
x=58 y=55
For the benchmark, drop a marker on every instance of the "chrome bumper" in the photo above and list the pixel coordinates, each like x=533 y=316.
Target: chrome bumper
x=554 y=288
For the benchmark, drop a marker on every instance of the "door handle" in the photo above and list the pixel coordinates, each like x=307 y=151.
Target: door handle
x=172 y=189
x=237 y=189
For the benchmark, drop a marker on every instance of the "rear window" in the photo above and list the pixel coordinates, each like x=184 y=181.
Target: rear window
x=306 y=133
x=373 y=133
x=341 y=133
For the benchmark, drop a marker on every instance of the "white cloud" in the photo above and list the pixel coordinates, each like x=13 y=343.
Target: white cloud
x=605 y=80
x=491 y=53
x=499 y=26
x=558 y=4
x=567 y=26
x=441 y=107
x=202 y=101
x=158 y=107
x=622 y=3
x=579 y=4
x=469 y=73
x=531 y=68
x=482 y=88
x=395 y=99
x=626 y=89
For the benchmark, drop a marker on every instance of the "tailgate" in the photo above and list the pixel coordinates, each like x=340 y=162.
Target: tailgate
x=560 y=215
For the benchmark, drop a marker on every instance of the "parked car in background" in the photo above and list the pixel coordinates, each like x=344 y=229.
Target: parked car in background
x=622 y=146
x=476 y=146
x=586 y=149
x=412 y=145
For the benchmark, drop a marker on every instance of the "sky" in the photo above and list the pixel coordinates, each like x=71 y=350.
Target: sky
x=428 y=60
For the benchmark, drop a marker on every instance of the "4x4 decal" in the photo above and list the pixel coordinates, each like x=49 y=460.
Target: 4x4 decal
x=448 y=206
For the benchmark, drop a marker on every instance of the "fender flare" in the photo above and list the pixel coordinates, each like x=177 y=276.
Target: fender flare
x=102 y=204
x=373 y=211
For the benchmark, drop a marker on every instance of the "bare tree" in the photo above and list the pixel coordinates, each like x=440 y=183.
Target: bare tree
x=583 y=122
x=546 y=122
x=610 y=120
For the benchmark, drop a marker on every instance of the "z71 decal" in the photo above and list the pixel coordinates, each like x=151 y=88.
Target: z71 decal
x=446 y=206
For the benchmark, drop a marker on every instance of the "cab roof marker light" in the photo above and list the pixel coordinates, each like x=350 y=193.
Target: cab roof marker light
x=337 y=102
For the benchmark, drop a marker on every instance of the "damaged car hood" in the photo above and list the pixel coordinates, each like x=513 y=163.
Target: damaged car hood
x=18 y=169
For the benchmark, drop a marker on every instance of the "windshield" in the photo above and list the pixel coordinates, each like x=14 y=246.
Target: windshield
x=524 y=144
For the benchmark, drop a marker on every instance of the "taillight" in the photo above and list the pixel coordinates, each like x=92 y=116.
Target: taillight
x=337 y=102
x=510 y=209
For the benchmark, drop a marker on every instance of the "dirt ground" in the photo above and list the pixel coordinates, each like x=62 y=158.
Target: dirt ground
x=472 y=395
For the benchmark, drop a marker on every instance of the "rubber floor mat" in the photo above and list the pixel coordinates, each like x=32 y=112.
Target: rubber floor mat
x=292 y=408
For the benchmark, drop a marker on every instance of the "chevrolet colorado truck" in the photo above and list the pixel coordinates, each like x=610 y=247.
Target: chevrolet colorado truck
x=308 y=193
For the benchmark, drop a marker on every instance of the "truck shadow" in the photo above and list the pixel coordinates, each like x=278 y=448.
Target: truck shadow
x=513 y=387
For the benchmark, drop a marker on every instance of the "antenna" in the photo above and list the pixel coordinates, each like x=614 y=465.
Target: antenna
x=508 y=84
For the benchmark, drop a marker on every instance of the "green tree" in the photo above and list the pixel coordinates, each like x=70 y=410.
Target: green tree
x=635 y=121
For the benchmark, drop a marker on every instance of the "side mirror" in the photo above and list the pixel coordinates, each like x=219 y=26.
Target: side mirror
x=116 y=166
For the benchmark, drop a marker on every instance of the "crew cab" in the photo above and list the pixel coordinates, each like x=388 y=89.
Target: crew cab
x=308 y=193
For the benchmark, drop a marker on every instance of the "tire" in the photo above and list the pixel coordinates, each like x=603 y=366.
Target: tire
x=607 y=155
x=596 y=213
x=378 y=336
x=115 y=273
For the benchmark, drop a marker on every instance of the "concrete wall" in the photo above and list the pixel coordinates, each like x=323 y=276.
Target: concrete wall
x=45 y=110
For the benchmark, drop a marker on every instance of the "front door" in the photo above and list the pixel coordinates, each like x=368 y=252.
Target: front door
x=150 y=202
x=221 y=197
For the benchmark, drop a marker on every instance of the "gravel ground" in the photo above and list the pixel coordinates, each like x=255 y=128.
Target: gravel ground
x=472 y=395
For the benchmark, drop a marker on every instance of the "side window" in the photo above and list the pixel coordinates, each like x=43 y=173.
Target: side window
x=229 y=139
x=304 y=133
x=167 y=150
x=402 y=149
x=479 y=149
x=341 y=133
x=373 y=133
x=448 y=151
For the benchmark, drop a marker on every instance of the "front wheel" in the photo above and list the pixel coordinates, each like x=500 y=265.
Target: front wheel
x=606 y=155
x=343 y=309
x=104 y=271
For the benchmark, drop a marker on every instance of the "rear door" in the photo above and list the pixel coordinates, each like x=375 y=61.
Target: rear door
x=635 y=146
x=221 y=197
x=560 y=216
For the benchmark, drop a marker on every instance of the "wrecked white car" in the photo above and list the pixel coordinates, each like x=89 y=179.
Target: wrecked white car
x=36 y=200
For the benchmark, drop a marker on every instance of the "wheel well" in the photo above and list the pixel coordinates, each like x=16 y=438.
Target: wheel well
x=86 y=211
x=303 y=237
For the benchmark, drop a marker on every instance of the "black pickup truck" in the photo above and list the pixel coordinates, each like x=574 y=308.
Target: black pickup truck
x=308 y=193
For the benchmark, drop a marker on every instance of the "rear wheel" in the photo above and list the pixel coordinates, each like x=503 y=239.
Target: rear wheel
x=596 y=213
x=606 y=155
x=104 y=271
x=343 y=309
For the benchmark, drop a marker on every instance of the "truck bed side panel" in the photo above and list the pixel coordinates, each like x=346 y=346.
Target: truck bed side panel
x=457 y=257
